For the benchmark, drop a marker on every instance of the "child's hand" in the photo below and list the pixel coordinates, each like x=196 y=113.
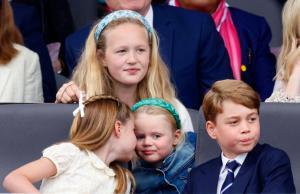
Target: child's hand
x=68 y=93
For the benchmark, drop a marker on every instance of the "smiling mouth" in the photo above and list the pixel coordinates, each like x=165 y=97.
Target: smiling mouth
x=132 y=70
x=148 y=152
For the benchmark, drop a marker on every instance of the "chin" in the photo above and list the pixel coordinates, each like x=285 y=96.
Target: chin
x=246 y=149
x=126 y=158
x=131 y=82
x=151 y=160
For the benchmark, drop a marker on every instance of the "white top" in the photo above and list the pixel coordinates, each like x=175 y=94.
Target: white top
x=279 y=94
x=78 y=171
x=149 y=16
x=20 y=79
x=186 y=121
x=223 y=172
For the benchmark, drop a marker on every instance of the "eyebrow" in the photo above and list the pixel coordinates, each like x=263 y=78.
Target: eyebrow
x=237 y=116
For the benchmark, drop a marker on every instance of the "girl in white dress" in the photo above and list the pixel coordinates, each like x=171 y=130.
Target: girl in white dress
x=287 y=86
x=101 y=134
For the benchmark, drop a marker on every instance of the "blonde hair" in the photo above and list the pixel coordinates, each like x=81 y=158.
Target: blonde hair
x=155 y=110
x=290 y=50
x=94 y=129
x=234 y=90
x=93 y=77
x=9 y=33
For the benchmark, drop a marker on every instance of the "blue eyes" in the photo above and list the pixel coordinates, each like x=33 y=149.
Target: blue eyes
x=121 y=51
x=125 y=50
x=233 y=122
x=236 y=122
x=154 y=136
x=252 y=119
x=141 y=50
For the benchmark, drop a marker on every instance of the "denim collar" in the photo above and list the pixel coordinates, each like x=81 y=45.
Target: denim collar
x=171 y=175
x=179 y=157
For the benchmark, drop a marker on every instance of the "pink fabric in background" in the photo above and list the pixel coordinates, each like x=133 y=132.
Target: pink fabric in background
x=53 y=49
x=226 y=28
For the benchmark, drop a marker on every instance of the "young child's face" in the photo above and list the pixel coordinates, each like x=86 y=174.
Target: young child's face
x=127 y=140
x=127 y=53
x=155 y=137
x=236 y=129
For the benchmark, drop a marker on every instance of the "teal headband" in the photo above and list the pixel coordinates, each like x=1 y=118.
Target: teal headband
x=117 y=15
x=159 y=103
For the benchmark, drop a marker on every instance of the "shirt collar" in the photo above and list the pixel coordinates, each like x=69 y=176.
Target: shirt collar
x=99 y=164
x=149 y=16
x=239 y=159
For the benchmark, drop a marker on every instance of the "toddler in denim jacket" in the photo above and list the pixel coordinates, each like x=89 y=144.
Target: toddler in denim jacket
x=165 y=153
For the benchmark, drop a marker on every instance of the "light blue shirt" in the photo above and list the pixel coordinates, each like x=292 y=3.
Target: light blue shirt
x=223 y=172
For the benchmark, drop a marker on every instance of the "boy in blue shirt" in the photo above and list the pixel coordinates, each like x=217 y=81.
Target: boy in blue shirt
x=231 y=111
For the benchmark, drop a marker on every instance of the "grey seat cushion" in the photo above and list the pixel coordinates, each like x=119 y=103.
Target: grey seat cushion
x=26 y=129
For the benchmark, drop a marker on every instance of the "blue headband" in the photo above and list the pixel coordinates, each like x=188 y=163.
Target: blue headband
x=159 y=103
x=117 y=15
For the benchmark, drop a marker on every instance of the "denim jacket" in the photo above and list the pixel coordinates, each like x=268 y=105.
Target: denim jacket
x=171 y=176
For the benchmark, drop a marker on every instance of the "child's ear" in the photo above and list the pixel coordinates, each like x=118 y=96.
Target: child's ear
x=177 y=137
x=211 y=129
x=117 y=130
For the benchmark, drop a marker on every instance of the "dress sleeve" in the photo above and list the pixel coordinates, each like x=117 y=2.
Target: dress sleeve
x=33 y=85
x=62 y=155
x=279 y=94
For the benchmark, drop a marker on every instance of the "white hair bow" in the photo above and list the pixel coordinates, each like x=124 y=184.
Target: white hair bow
x=80 y=105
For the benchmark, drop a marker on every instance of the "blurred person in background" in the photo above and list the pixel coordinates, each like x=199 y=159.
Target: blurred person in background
x=20 y=75
x=287 y=86
x=246 y=37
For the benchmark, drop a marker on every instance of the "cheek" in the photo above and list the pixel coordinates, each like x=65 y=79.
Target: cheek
x=133 y=140
x=165 y=146
x=138 y=145
x=145 y=60
x=111 y=60
x=113 y=65
x=257 y=131
x=229 y=137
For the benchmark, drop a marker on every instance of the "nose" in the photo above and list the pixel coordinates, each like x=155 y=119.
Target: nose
x=147 y=141
x=132 y=58
x=245 y=128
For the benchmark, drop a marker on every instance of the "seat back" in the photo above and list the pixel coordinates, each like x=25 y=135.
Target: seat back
x=280 y=127
x=26 y=129
x=195 y=117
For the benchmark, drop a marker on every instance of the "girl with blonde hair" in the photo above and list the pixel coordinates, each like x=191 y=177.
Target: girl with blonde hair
x=121 y=58
x=88 y=162
x=20 y=74
x=287 y=86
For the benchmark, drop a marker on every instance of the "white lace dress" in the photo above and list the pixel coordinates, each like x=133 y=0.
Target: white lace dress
x=78 y=172
x=279 y=94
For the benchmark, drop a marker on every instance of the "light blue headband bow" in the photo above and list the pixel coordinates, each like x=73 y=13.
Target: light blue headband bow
x=117 y=15
x=159 y=103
